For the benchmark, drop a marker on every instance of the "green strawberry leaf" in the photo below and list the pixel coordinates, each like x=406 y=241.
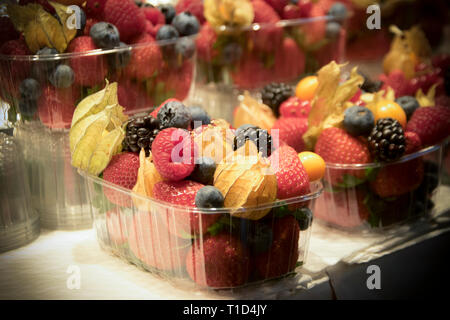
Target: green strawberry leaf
x=375 y=207
x=371 y=173
x=221 y=224
x=349 y=181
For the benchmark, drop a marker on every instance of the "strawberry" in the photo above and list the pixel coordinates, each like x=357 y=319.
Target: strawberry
x=250 y=73
x=177 y=81
x=289 y=61
x=291 y=130
x=193 y=6
x=335 y=145
x=153 y=15
x=264 y=12
x=126 y=16
x=305 y=7
x=412 y=142
x=277 y=5
x=398 y=179
x=344 y=208
x=154 y=245
x=362 y=48
x=173 y=166
x=89 y=70
x=8 y=31
x=148 y=28
x=122 y=170
x=205 y=41
x=268 y=37
x=56 y=106
x=116 y=225
x=292 y=179
x=314 y=31
x=146 y=60
x=182 y=222
x=291 y=11
x=94 y=9
x=432 y=124
x=132 y=97
x=296 y=108
x=283 y=253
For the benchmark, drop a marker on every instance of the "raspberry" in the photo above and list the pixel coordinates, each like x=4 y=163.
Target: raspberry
x=122 y=170
x=412 y=142
x=193 y=6
x=89 y=70
x=126 y=16
x=294 y=107
x=145 y=60
x=292 y=178
x=432 y=124
x=173 y=154
x=89 y=23
x=94 y=8
x=291 y=131
x=153 y=15
x=397 y=81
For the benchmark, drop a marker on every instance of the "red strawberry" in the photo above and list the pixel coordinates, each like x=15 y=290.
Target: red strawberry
x=153 y=15
x=193 y=6
x=132 y=97
x=283 y=253
x=173 y=165
x=126 y=16
x=264 y=12
x=89 y=23
x=177 y=81
x=412 y=142
x=432 y=124
x=117 y=227
x=277 y=5
x=94 y=9
x=205 y=41
x=8 y=32
x=154 y=245
x=154 y=113
x=268 y=37
x=292 y=178
x=289 y=61
x=335 y=145
x=291 y=11
x=146 y=60
x=56 y=106
x=305 y=7
x=250 y=73
x=89 y=70
x=218 y=262
x=398 y=179
x=294 y=107
x=148 y=28
x=122 y=170
x=314 y=31
x=182 y=222
x=345 y=208
x=291 y=131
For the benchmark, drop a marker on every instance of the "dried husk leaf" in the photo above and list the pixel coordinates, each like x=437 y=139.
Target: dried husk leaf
x=109 y=145
x=228 y=12
x=214 y=142
x=251 y=111
x=245 y=181
x=329 y=103
x=426 y=100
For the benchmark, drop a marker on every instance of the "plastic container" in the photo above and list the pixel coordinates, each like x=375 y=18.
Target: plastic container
x=19 y=222
x=248 y=58
x=380 y=196
x=193 y=248
x=146 y=73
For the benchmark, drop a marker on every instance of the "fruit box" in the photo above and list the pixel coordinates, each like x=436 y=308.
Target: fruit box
x=40 y=93
x=248 y=58
x=207 y=248
x=380 y=196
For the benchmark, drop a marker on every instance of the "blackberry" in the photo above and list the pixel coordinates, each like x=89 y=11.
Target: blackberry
x=260 y=137
x=274 y=94
x=140 y=133
x=370 y=85
x=387 y=141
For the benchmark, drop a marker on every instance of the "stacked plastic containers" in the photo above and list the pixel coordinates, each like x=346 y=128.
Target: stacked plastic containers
x=45 y=110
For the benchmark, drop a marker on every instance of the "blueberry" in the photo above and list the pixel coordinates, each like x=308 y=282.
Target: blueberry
x=338 y=11
x=198 y=114
x=186 y=23
x=358 y=120
x=409 y=104
x=168 y=11
x=62 y=77
x=174 y=114
x=121 y=58
x=105 y=35
x=167 y=32
x=185 y=47
x=204 y=170
x=45 y=65
x=333 y=29
x=30 y=91
x=209 y=197
x=258 y=237
x=231 y=53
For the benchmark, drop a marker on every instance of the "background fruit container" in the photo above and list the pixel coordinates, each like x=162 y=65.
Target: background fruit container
x=207 y=248
x=275 y=41
x=373 y=196
x=45 y=74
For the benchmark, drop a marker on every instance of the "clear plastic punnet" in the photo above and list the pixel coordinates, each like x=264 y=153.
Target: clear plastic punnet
x=40 y=92
x=380 y=196
x=203 y=248
x=248 y=58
